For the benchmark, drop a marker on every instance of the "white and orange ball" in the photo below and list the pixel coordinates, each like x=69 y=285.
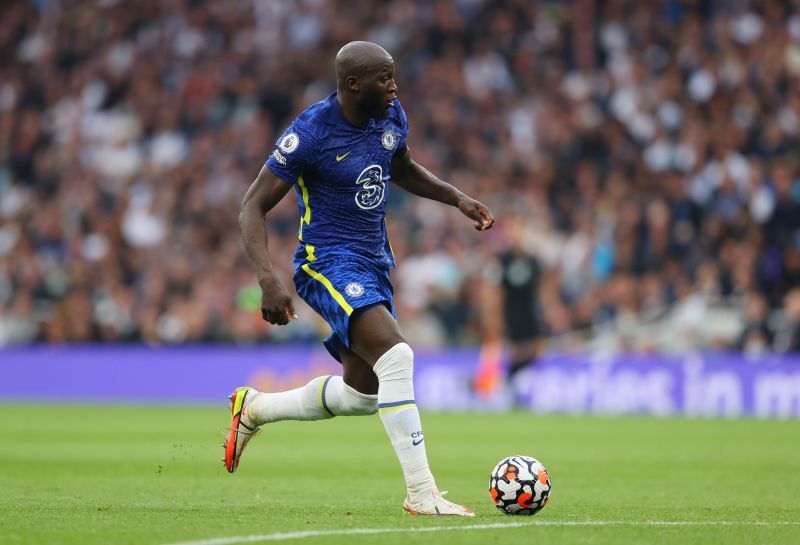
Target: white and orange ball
x=520 y=485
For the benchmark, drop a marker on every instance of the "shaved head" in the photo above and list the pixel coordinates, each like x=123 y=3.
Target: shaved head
x=359 y=59
x=365 y=85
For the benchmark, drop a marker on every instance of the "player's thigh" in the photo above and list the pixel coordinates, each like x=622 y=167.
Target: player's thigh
x=358 y=374
x=373 y=332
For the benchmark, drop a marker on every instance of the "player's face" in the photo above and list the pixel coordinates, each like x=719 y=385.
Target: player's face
x=378 y=92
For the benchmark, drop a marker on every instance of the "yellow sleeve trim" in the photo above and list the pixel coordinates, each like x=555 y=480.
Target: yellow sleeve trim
x=327 y=283
x=304 y=191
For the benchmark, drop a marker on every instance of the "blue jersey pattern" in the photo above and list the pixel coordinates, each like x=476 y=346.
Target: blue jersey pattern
x=341 y=175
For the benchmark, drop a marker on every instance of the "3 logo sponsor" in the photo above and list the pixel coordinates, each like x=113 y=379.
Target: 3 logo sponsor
x=373 y=187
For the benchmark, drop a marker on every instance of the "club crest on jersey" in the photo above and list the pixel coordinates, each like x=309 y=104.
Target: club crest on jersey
x=388 y=140
x=354 y=289
x=289 y=143
x=373 y=187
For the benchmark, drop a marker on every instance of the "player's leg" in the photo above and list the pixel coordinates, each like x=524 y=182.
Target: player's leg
x=358 y=374
x=323 y=397
x=376 y=338
x=522 y=353
x=354 y=394
x=522 y=330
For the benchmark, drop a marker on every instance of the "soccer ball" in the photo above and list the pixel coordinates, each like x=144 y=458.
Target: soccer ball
x=519 y=485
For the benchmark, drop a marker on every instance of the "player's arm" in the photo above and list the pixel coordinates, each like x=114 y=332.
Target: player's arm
x=418 y=180
x=262 y=196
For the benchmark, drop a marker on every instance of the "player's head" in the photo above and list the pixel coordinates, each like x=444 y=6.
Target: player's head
x=365 y=75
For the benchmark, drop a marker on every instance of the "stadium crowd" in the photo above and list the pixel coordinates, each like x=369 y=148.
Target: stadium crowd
x=645 y=154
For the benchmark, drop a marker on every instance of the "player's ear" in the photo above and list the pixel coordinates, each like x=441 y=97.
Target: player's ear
x=352 y=84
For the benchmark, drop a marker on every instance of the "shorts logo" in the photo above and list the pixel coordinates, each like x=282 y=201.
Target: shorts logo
x=279 y=157
x=289 y=143
x=354 y=289
x=388 y=140
x=371 y=194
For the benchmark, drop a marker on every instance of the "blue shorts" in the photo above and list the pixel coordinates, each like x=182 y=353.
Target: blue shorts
x=340 y=287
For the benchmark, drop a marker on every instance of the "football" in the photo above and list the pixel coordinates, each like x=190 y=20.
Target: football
x=519 y=485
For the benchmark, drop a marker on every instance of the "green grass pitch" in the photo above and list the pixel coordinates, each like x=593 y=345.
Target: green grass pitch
x=154 y=476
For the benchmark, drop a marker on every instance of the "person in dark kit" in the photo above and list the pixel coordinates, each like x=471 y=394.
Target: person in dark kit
x=518 y=274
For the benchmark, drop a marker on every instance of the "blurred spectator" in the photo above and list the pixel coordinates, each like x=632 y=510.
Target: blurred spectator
x=756 y=336
x=787 y=338
x=650 y=149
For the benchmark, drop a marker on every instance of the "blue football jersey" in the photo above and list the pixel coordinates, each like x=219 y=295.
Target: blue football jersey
x=341 y=175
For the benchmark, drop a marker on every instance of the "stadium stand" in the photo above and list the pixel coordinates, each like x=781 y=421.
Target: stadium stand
x=646 y=153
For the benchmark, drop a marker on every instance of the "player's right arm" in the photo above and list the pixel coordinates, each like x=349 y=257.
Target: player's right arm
x=262 y=196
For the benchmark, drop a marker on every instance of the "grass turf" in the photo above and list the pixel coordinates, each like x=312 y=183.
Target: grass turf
x=153 y=475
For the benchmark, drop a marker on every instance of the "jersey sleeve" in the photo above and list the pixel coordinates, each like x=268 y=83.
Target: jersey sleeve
x=292 y=155
x=402 y=124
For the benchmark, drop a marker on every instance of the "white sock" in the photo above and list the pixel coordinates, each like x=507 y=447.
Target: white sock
x=400 y=417
x=323 y=397
x=344 y=400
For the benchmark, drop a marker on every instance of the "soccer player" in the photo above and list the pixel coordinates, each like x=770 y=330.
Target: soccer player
x=340 y=155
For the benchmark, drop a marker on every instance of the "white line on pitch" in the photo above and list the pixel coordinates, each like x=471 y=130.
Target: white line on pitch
x=456 y=527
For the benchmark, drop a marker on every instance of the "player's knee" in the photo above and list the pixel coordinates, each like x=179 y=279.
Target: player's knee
x=396 y=364
x=341 y=399
x=357 y=404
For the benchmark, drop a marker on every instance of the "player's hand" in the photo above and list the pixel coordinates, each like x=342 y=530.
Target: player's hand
x=276 y=303
x=481 y=218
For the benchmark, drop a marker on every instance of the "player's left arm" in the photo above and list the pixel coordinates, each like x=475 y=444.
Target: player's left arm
x=418 y=180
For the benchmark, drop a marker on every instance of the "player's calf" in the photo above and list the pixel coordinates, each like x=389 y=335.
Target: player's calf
x=322 y=398
x=400 y=417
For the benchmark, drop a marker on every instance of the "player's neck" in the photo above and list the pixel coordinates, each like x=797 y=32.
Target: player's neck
x=352 y=114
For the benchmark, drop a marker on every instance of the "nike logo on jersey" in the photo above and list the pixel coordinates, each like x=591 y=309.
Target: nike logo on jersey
x=340 y=157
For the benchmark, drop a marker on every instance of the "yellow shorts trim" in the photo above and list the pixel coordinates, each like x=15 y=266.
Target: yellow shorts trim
x=327 y=283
